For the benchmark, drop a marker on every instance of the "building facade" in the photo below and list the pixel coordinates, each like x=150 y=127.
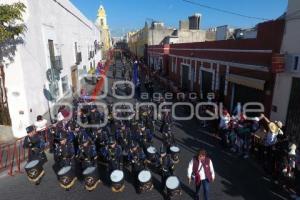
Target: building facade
x=286 y=99
x=59 y=45
x=158 y=34
x=102 y=24
x=234 y=70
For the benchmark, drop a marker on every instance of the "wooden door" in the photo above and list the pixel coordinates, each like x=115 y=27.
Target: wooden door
x=74 y=77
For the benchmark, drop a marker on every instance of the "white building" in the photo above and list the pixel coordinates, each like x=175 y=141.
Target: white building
x=59 y=43
x=224 y=32
x=286 y=98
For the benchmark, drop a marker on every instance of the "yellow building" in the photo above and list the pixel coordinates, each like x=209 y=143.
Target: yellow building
x=101 y=23
x=137 y=41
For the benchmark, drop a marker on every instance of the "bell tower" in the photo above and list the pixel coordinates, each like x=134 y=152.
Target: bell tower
x=101 y=18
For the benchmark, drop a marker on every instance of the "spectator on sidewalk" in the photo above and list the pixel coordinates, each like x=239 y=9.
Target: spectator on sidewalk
x=296 y=196
x=201 y=171
x=40 y=123
x=41 y=127
x=224 y=126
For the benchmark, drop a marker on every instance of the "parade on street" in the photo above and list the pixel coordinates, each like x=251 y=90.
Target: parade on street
x=160 y=113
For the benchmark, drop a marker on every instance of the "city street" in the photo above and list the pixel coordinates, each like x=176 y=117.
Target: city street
x=236 y=178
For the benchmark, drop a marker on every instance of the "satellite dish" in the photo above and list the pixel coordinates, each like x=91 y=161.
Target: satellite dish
x=47 y=95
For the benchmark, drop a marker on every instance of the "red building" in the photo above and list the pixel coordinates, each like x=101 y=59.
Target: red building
x=241 y=70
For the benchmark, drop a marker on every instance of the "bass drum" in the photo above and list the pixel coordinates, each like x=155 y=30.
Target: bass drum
x=35 y=171
x=91 y=178
x=145 y=181
x=66 y=177
x=151 y=152
x=117 y=181
x=173 y=186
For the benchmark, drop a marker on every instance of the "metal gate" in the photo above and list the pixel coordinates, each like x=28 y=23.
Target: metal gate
x=185 y=78
x=293 y=119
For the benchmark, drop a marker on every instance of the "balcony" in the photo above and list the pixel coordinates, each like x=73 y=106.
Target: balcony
x=78 y=58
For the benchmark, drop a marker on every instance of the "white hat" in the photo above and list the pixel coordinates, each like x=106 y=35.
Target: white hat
x=292 y=148
x=279 y=124
x=60 y=116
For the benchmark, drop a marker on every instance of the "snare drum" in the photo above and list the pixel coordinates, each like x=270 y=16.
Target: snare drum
x=145 y=181
x=151 y=151
x=173 y=186
x=66 y=177
x=117 y=181
x=91 y=178
x=34 y=170
x=175 y=153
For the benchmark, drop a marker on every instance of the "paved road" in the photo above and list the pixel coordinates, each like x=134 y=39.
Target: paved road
x=236 y=178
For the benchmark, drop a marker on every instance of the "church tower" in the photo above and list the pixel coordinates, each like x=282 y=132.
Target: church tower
x=101 y=23
x=101 y=18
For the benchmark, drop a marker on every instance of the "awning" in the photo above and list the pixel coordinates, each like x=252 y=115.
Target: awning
x=246 y=81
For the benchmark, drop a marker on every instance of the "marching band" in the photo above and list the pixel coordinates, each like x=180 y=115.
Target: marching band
x=90 y=152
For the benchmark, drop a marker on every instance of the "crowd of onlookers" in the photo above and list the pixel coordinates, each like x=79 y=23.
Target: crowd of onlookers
x=262 y=139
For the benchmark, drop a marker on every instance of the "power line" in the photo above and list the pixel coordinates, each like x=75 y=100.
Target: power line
x=224 y=11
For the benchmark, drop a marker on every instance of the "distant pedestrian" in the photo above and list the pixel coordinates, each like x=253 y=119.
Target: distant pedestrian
x=297 y=175
x=201 y=171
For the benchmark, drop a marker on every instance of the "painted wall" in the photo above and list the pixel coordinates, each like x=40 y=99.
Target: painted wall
x=252 y=58
x=290 y=45
x=61 y=22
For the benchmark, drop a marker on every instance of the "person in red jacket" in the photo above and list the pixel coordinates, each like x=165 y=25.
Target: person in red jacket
x=201 y=171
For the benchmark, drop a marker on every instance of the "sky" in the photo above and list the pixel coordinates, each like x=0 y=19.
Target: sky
x=128 y=15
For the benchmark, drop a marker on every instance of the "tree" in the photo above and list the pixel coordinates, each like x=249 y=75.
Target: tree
x=11 y=27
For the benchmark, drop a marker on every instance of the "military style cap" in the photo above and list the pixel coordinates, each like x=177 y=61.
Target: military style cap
x=30 y=128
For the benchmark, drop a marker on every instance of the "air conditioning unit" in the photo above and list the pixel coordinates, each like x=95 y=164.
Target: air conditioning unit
x=292 y=62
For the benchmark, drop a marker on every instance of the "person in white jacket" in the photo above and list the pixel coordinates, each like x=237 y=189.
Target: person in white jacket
x=40 y=123
x=41 y=127
x=201 y=171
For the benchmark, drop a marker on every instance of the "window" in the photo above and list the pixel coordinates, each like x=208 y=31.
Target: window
x=296 y=63
x=65 y=84
x=51 y=52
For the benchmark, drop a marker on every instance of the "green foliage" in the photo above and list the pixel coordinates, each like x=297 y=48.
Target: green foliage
x=11 y=18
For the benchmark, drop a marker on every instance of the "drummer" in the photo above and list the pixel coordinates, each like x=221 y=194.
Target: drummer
x=64 y=152
x=166 y=165
x=101 y=139
x=141 y=134
x=136 y=157
x=168 y=137
x=123 y=136
x=112 y=154
x=87 y=153
x=35 y=144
